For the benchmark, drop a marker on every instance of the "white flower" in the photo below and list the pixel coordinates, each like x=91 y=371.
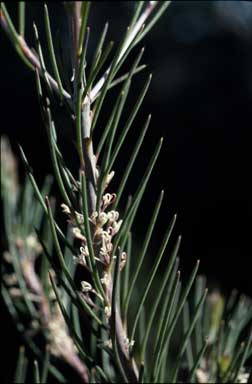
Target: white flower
x=202 y=376
x=86 y=287
x=116 y=226
x=79 y=217
x=84 y=251
x=107 y=311
x=109 y=178
x=105 y=279
x=83 y=254
x=129 y=343
x=65 y=209
x=113 y=216
x=243 y=377
x=108 y=199
x=108 y=343
x=102 y=219
x=77 y=233
x=93 y=217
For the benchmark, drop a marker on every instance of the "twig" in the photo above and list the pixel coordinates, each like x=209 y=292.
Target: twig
x=31 y=57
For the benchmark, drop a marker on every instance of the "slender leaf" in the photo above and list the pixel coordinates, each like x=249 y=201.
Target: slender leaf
x=46 y=364
x=187 y=336
x=21 y=368
x=21 y=18
x=153 y=273
x=142 y=253
x=14 y=37
x=131 y=162
x=129 y=123
x=36 y=374
x=51 y=52
x=85 y=8
x=159 y=296
x=197 y=361
x=138 y=195
x=186 y=325
x=153 y=21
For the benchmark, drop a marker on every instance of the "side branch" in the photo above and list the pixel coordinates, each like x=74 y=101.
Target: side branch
x=29 y=54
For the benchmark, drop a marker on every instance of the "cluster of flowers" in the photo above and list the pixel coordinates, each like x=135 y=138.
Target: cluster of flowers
x=104 y=227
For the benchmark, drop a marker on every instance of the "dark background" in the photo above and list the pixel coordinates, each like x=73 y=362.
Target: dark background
x=200 y=54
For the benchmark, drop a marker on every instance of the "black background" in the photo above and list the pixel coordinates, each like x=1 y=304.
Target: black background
x=200 y=54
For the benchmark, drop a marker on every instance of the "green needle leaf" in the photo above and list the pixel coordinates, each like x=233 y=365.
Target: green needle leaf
x=138 y=195
x=57 y=245
x=243 y=357
x=41 y=59
x=131 y=162
x=46 y=364
x=99 y=47
x=187 y=336
x=166 y=336
x=197 y=361
x=129 y=123
x=142 y=254
x=160 y=344
x=39 y=196
x=14 y=37
x=153 y=21
x=110 y=73
x=21 y=18
x=153 y=273
x=186 y=325
x=55 y=160
x=160 y=293
x=115 y=315
x=51 y=52
x=36 y=374
x=21 y=369
x=85 y=8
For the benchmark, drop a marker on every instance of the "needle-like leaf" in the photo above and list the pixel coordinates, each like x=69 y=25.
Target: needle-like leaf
x=153 y=273
x=128 y=124
x=51 y=51
x=142 y=253
x=138 y=195
x=166 y=277
x=187 y=336
x=153 y=21
x=14 y=36
x=131 y=162
x=21 y=18
x=85 y=8
x=36 y=373
x=197 y=361
x=21 y=369
x=46 y=364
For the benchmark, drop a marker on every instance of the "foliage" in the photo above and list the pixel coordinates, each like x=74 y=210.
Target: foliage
x=102 y=324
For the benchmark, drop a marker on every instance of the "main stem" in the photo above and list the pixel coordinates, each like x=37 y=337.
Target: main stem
x=89 y=166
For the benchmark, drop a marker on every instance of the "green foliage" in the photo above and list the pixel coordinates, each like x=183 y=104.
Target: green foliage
x=104 y=327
